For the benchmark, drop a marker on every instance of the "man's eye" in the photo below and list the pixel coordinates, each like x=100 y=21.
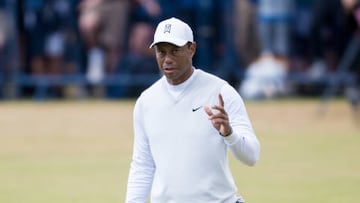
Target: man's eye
x=161 y=52
x=175 y=52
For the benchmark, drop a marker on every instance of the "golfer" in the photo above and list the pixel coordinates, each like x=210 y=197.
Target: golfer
x=184 y=125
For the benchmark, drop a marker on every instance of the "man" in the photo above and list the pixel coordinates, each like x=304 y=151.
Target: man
x=184 y=124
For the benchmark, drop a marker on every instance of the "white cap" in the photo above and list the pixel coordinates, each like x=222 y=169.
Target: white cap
x=173 y=31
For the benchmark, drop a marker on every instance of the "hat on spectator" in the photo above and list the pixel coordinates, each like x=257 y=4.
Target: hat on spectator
x=173 y=31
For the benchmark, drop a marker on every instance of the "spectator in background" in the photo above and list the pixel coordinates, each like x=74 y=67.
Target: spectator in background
x=352 y=11
x=48 y=26
x=33 y=36
x=301 y=49
x=246 y=34
x=138 y=60
x=275 y=18
x=265 y=77
x=228 y=65
x=57 y=17
x=4 y=35
x=8 y=49
x=333 y=25
x=103 y=26
x=51 y=39
x=149 y=11
x=4 y=27
x=328 y=37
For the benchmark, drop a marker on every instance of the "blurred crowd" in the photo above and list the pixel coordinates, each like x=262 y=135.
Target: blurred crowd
x=253 y=44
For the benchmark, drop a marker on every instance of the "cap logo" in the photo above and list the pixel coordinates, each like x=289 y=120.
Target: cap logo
x=167 y=28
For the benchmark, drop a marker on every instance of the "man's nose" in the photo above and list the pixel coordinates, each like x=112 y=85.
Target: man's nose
x=168 y=58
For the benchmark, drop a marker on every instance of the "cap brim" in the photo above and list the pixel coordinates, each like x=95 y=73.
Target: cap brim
x=177 y=42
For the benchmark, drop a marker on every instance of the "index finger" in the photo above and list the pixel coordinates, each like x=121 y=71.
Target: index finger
x=221 y=100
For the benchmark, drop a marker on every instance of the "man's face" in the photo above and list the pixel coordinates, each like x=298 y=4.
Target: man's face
x=175 y=62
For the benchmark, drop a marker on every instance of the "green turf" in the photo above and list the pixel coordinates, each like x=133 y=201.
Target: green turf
x=61 y=152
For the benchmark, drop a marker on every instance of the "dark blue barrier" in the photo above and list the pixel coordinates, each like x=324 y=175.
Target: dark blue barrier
x=41 y=83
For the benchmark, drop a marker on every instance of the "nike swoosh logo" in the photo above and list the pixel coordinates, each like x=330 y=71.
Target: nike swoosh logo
x=195 y=109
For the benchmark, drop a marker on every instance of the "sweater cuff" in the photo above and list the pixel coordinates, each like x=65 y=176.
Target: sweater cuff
x=232 y=138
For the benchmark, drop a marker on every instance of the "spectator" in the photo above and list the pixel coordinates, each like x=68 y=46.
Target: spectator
x=4 y=28
x=61 y=44
x=229 y=65
x=4 y=31
x=275 y=17
x=352 y=11
x=33 y=36
x=265 y=77
x=8 y=49
x=103 y=25
x=146 y=11
x=301 y=48
x=329 y=36
x=246 y=34
x=51 y=39
x=138 y=60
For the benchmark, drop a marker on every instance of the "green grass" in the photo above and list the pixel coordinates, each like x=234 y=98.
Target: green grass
x=63 y=152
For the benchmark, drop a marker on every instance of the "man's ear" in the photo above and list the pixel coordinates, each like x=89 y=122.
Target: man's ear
x=192 y=48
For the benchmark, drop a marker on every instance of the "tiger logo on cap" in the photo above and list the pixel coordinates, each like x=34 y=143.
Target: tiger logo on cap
x=167 y=28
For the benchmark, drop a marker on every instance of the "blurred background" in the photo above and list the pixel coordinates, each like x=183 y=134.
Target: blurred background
x=87 y=61
x=73 y=49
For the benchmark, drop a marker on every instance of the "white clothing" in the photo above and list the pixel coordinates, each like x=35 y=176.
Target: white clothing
x=178 y=155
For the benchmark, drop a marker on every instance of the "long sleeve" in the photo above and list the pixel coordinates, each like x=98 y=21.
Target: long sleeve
x=243 y=142
x=142 y=166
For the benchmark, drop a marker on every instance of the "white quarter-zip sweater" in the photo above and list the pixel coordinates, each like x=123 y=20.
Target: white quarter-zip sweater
x=178 y=155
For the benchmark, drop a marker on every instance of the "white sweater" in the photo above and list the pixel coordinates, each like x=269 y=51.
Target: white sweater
x=178 y=154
